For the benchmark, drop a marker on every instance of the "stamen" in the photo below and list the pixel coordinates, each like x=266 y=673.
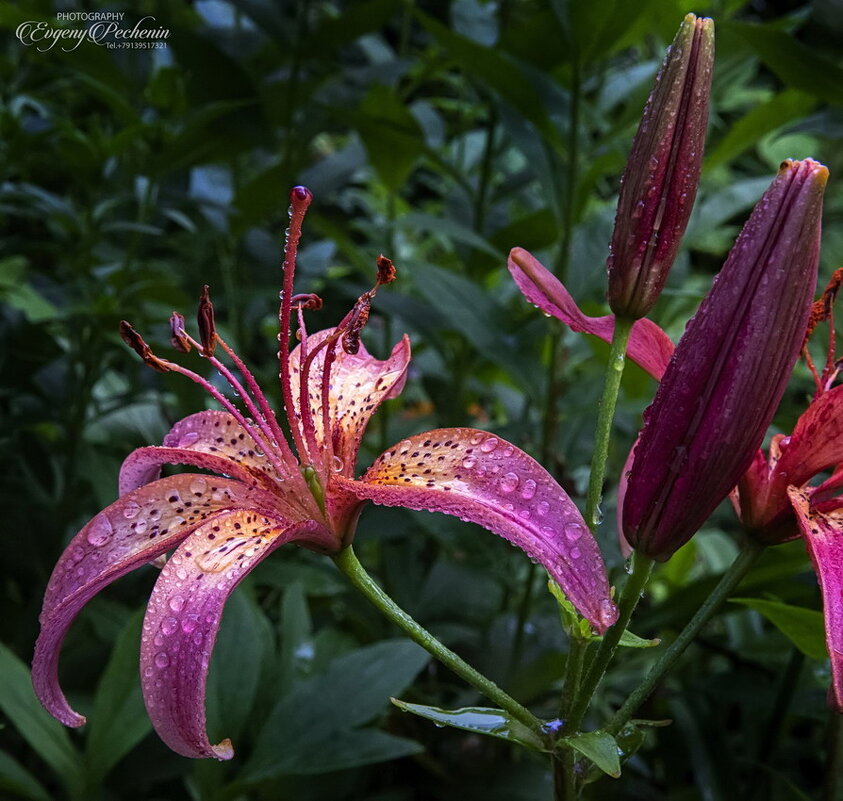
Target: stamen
x=300 y=199
x=179 y=338
x=386 y=271
x=308 y=302
x=136 y=342
x=205 y=319
x=359 y=318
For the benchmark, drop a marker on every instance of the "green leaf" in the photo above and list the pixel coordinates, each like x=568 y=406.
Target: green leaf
x=296 y=636
x=803 y=627
x=119 y=720
x=391 y=134
x=353 y=749
x=601 y=748
x=630 y=640
x=480 y=720
x=18 y=781
x=320 y=711
x=745 y=133
x=796 y=64
x=45 y=735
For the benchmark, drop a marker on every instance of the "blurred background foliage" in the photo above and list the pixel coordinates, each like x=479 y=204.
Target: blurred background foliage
x=441 y=134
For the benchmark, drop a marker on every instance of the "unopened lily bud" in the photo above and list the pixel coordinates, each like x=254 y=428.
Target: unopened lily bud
x=730 y=369
x=205 y=319
x=660 y=181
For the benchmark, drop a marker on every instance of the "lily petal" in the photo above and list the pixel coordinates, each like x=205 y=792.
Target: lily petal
x=483 y=479
x=215 y=433
x=184 y=613
x=134 y=530
x=359 y=384
x=649 y=347
x=823 y=533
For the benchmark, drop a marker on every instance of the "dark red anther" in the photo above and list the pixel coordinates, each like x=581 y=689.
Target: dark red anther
x=307 y=302
x=822 y=308
x=386 y=270
x=178 y=336
x=136 y=342
x=300 y=197
x=205 y=319
x=358 y=319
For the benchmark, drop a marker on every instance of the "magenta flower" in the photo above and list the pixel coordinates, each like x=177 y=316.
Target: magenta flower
x=662 y=172
x=776 y=502
x=730 y=369
x=271 y=492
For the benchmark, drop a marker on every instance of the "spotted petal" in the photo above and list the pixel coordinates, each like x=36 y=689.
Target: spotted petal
x=649 y=347
x=184 y=614
x=359 y=384
x=137 y=528
x=485 y=480
x=211 y=433
x=823 y=533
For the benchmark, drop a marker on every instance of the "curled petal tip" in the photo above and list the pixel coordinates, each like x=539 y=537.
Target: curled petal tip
x=223 y=750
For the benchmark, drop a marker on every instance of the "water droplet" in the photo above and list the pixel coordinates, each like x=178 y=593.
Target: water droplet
x=80 y=571
x=509 y=481
x=525 y=513
x=189 y=623
x=337 y=464
x=158 y=640
x=608 y=612
x=197 y=638
x=173 y=497
x=140 y=526
x=573 y=531
x=154 y=515
x=130 y=510
x=784 y=442
x=188 y=439
x=405 y=446
x=198 y=486
x=469 y=462
x=148 y=671
x=543 y=507
x=177 y=603
x=475 y=440
x=176 y=520
x=169 y=625
x=576 y=553
x=488 y=445
x=77 y=553
x=181 y=574
x=529 y=489
x=100 y=530
x=161 y=659
x=508 y=451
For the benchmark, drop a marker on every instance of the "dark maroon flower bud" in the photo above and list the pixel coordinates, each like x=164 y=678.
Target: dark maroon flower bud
x=205 y=319
x=660 y=181
x=136 y=342
x=730 y=369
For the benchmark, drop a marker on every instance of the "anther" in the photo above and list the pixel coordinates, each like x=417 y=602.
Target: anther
x=358 y=319
x=205 y=319
x=136 y=342
x=386 y=270
x=307 y=302
x=178 y=336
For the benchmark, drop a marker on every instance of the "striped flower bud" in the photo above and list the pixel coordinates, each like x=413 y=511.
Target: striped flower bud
x=660 y=181
x=730 y=369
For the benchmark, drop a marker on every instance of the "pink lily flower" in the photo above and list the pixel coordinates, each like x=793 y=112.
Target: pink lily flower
x=269 y=492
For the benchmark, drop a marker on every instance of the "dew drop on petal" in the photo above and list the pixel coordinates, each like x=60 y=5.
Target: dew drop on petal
x=189 y=623
x=181 y=574
x=198 y=486
x=173 y=497
x=158 y=640
x=488 y=445
x=188 y=439
x=169 y=625
x=508 y=482
x=337 y=464
x=529 y=489
x=576 y=553
x=475 y=440
x=197 y=638
x=508 y=451
x=77 y=553
x=469 y=462
x=140 y=526
x=148 y=671
x=176 y=603
x=161 y=659
x=131 y=510
x=100 y=531
x=608 y=612
x=154 y=515
x=573 y=531
x=405 y=446
x=525 y=513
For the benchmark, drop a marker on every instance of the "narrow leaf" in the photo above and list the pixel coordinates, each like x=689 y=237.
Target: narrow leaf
x=803 y=627
x=600 y=748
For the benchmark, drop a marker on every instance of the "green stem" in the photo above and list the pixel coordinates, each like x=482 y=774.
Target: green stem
x=730 y=579
x=564 y=763
x=605 y=416
x=634 y=586
x=349 y=564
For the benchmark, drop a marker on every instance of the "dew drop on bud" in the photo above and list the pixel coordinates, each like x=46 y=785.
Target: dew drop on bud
x=161 y=659
x=190 y=438
x=176 y=603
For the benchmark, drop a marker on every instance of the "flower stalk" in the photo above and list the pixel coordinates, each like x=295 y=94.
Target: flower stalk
x=348 y=563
